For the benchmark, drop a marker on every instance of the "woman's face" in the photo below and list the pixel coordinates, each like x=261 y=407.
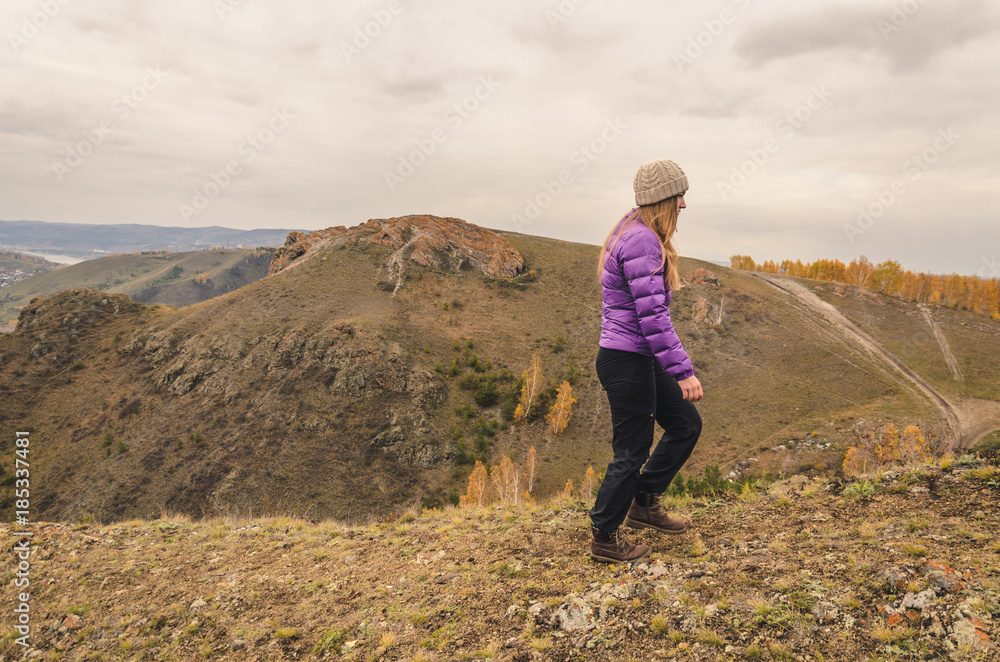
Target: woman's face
x=680 y=204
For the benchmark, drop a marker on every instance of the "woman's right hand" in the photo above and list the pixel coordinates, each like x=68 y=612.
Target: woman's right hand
x=691 y=388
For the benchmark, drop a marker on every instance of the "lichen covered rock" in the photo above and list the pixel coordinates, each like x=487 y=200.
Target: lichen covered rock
x=702 y=277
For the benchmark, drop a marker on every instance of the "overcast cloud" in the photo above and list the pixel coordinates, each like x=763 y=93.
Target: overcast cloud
x=787 y=118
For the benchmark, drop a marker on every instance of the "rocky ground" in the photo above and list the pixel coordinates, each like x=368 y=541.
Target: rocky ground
x=902 y=566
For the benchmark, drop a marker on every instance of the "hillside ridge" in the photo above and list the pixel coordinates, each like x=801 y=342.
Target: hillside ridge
x=441 y=244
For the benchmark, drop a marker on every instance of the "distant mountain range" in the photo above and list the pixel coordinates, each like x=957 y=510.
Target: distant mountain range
x=85 y=239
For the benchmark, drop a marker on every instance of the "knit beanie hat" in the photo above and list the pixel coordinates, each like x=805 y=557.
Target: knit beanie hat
x=658 y=180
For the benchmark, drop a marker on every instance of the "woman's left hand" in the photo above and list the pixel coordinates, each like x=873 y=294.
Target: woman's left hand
x=691 y=388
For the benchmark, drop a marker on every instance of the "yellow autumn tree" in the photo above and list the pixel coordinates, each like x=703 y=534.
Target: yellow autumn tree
x=532 y=386
x=876 y=448
x=561 y=410
x=980 y=294
x=567 y=492
x=913 y=448
x=888 y=277
x=475 y=495
x=856 y=462
x=589 y=483
x=532 y=461
x=887 y=451
x=864 y=455
x=507 y=481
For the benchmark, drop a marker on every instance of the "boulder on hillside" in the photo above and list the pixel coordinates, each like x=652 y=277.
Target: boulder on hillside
x=700 y=310
x=701 y=277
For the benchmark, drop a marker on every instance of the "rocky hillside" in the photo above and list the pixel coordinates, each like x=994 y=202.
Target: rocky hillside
x=429 y=242
x=375 y=363
x=906 y=566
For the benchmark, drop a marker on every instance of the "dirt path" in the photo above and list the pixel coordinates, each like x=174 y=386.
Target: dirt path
x=979 y=417
x=969 y=419
x=945 y=349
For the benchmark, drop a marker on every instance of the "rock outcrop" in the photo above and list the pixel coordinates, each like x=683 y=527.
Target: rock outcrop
x=432 y=242
x=340 y=361
x=700 y=310
x=702 y=277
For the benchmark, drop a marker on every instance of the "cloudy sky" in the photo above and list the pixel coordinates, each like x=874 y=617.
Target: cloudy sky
x=807 y=130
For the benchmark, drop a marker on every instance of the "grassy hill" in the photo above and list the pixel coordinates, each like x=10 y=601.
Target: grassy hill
x=177 y=279
x=317 y=390
x=907 y=567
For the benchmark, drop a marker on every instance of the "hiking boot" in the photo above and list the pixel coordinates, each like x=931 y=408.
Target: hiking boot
x=613 y=548
x=646 y=512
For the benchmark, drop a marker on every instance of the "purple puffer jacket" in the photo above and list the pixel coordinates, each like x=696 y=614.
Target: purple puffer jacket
x=635 y=315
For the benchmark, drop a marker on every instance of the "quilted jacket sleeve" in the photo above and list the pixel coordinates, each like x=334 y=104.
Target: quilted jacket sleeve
x=640 y=257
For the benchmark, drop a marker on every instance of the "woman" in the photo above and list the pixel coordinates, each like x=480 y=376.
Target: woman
x=643 y=367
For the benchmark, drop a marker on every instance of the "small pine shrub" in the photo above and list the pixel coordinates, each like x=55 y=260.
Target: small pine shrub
x=572 y=374
x=465 y=411
x=486 y=393
x=560 y=344
x=462 y=455
x=485 y=427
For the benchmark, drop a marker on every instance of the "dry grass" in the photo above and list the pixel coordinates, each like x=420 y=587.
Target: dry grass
x=892 y=635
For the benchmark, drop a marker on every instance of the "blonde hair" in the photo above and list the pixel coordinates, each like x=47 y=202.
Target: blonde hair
x=661 y=218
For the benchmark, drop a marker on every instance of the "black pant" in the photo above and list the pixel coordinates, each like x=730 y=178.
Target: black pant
x=641 y=393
